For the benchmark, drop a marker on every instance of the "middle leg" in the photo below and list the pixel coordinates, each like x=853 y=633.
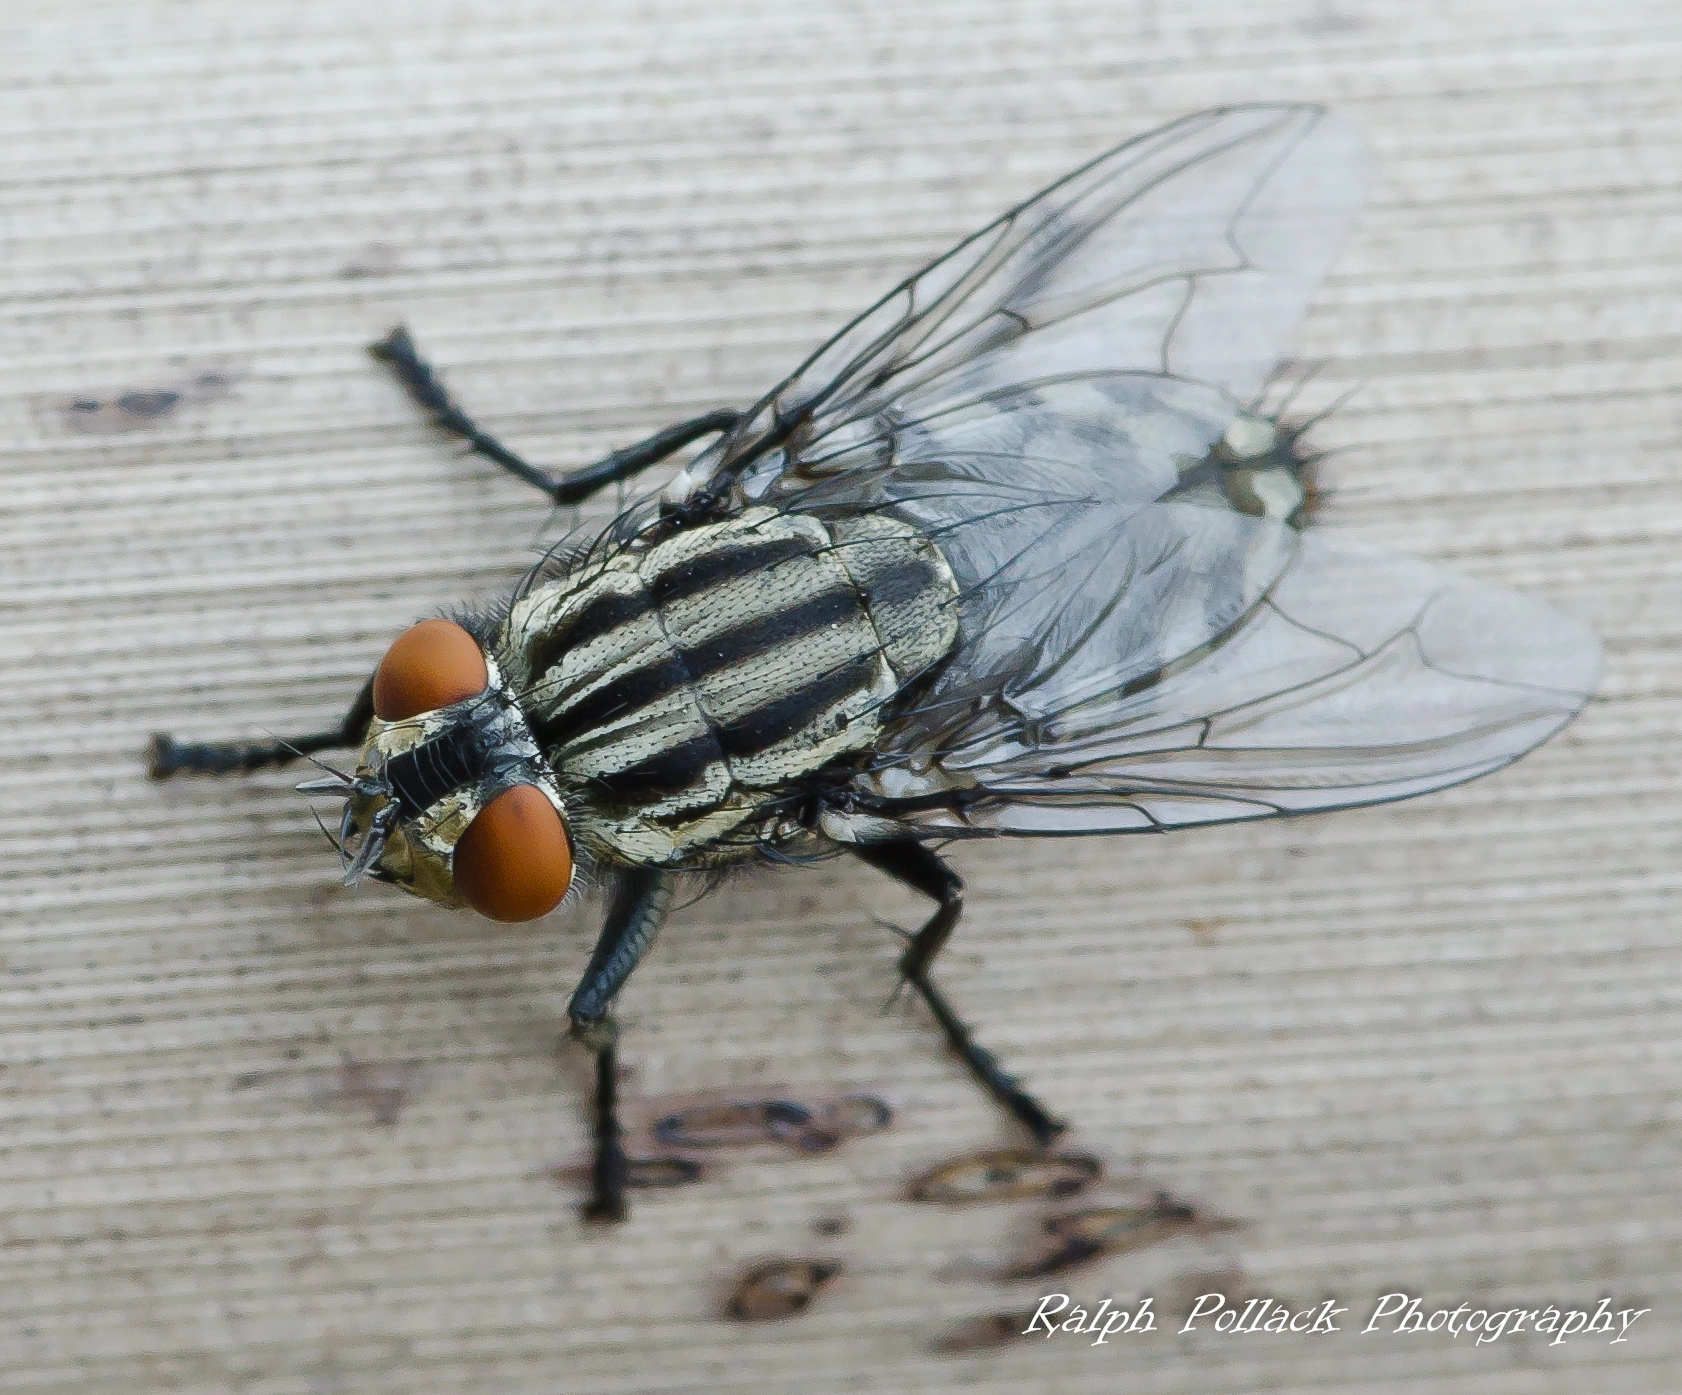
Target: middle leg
x=913 y=865
x=640 y=902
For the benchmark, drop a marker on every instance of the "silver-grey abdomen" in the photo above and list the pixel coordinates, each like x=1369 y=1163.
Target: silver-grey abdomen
x=683 y=690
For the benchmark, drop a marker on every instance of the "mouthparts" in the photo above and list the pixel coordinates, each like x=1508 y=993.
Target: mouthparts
x=356 y=856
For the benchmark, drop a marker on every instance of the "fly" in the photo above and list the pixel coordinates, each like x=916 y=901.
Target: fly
x=1014 y=553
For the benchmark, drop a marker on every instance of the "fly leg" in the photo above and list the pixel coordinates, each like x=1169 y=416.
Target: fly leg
x=913 y=865
x=398 y=350
x=640 y=902
x=166 y=756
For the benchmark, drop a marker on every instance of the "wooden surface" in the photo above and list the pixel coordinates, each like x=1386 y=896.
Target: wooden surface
x=260 y=1134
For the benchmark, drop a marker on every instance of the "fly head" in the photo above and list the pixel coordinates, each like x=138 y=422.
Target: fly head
x=451 y=799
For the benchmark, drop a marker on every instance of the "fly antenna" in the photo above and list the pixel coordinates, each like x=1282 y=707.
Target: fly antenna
x=335 y=781
x=336 y=845
x=373 y=844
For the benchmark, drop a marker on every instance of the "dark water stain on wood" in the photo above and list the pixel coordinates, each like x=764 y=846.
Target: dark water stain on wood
x=779 y=1288
x=1006 y=1174
x=805 y=1128
x=731 y=1123
x=982 y=1333
x=1077 y=1238
x=135 y=408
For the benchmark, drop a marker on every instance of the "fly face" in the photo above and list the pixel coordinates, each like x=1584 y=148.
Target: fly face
x=451 y=799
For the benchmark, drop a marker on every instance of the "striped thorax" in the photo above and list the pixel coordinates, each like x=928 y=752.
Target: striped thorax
x=684 y=693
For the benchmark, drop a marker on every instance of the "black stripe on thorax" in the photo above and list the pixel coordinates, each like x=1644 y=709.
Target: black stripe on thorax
x=637 y=688
x=608 y=610
x=662 y=774
x=668 y=772
x=683 y=668
x=781 y=718
x=903 y=581
x=777 y=628
x=730 y=558
x=600 y=615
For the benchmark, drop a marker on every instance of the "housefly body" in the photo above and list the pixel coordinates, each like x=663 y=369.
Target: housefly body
x=1013 y=554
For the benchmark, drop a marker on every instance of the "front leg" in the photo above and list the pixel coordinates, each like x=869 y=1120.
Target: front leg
x=640 y=902
x=421 y=382
x=912 y=864
x=166 y=756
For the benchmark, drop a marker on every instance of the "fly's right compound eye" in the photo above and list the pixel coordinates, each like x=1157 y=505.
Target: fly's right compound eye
x=430 y=665
x=515 y=861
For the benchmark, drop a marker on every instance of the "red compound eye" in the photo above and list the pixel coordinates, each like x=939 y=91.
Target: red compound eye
x=514 y=862
x=430 y=665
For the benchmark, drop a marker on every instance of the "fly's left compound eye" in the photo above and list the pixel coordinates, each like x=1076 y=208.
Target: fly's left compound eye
x=429 y=665
x=514 y=862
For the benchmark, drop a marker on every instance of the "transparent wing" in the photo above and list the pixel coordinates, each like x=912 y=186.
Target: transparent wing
x=1359 y=677
x=1188 y=254
x=1033 y=400
x=1132 y=652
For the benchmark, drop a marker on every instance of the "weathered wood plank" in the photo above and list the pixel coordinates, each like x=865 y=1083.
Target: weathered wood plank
x=1430 y=1048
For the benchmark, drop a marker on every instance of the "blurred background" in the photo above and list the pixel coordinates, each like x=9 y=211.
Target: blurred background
x=261 y=1134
